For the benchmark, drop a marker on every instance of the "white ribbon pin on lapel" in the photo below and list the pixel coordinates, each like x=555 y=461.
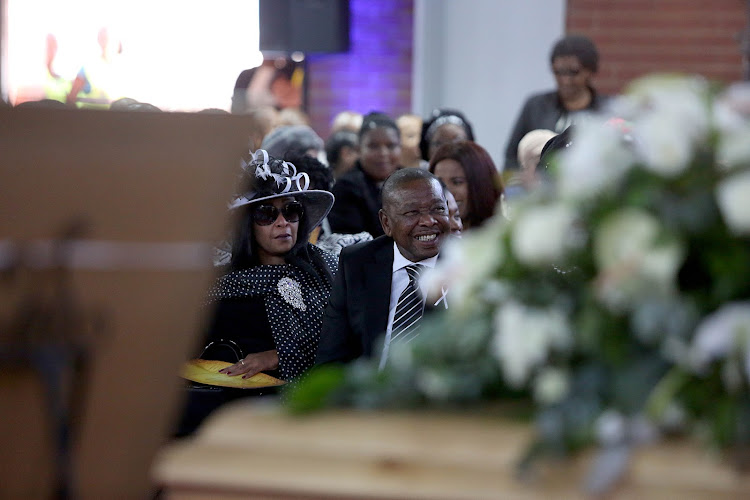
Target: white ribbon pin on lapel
x=443 y=298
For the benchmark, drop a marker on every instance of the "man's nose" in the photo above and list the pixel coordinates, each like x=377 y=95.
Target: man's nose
x=427 y=219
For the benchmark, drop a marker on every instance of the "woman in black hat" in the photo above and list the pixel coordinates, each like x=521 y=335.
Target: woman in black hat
x=271 y=300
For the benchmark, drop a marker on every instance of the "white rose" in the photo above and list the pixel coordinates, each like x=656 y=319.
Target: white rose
x=542 y=234
x=670 y=117
x=733 y=197
x=664 y=147
x=633 y=258
x=524 y=337
x=595 y=161
x=465 y=263
x=681 y=100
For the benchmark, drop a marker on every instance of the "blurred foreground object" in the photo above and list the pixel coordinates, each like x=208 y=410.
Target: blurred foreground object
x=614 y=304
x=105 y=252
x=397 y=455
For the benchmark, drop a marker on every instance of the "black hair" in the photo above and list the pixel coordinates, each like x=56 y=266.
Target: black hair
x=42 y=103
x=377 y=119
x=553 y=146
x=239 y=97
x=401 y=177
x=321 y=177
x=336 y=142
x=579 y=46
x=438 y=118
x=213 y=111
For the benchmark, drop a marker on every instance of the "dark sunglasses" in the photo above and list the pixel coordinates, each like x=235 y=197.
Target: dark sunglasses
x=265 y=215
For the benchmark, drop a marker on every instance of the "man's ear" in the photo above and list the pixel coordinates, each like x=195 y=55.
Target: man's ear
x=385 y=222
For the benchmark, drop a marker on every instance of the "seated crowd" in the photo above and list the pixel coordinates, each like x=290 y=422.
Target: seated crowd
x=327 y=270
x=332 y=235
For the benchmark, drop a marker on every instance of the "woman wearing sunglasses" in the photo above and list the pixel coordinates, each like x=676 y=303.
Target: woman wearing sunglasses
x=271 y=299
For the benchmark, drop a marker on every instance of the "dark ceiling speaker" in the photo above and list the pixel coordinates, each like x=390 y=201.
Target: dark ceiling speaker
x=311 y=26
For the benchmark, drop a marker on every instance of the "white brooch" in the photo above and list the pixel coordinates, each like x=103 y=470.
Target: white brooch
x=291 y=292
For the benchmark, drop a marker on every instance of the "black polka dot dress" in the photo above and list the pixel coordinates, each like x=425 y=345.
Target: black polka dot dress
x=294 y=303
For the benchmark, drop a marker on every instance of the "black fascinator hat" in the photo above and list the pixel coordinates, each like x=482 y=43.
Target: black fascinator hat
x=269 y=178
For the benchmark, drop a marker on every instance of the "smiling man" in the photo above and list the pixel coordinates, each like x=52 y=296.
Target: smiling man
x=376 y=299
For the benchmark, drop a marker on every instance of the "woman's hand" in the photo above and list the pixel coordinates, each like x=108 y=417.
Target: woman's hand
x=253 y=363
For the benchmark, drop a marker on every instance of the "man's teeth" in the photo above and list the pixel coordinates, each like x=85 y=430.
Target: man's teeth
x=427 y=237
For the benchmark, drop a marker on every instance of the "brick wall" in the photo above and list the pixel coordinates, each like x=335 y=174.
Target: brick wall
x=374 y=75
x=636 y=37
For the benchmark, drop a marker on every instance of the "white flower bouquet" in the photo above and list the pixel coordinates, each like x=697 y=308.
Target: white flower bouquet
x=615 y=304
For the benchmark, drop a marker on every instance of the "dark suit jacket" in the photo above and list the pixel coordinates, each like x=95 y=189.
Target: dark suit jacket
x=357 y=312
x=357 y=204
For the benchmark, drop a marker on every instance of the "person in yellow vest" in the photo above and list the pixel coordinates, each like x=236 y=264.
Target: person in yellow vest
x=95 y=84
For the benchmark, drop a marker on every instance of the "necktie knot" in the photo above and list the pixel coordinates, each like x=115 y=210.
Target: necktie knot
x=414 y=270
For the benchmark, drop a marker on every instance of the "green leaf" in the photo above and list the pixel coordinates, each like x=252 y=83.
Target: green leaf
x=315 y=390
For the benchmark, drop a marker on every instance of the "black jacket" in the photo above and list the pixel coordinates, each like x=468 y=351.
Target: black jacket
x=356 y=318
x=358 y=201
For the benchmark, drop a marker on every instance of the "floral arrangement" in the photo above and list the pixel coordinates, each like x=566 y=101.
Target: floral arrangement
x=613 y=304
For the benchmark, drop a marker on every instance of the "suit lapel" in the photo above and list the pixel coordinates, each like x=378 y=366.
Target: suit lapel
x=378 y=290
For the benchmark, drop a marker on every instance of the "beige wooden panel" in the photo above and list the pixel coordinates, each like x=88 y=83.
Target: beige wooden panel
x=258 y=452
x=148 y=179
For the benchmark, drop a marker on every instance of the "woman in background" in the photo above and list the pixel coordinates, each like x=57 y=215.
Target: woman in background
x=357 y=192
x=443 y=127
x=470 y=174
x=342 y=151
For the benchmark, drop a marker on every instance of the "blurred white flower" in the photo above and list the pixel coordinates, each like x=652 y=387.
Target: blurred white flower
x=733 y=148
x=595 y=161
x=551 y=386
x=496 y=291
x=542 y=234
x=524 y=337
x=434 y=384
x=733 y=197
x=721 y=334
x=670 y=117
x=683 y=99
x=634 y=258
x=731 y=116
x=664 y=147
x=466 y=264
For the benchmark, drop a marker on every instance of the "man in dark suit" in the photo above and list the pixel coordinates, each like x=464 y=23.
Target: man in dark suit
x=373 y=275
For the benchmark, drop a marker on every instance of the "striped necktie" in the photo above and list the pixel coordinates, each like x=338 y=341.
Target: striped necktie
x=409 y=308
